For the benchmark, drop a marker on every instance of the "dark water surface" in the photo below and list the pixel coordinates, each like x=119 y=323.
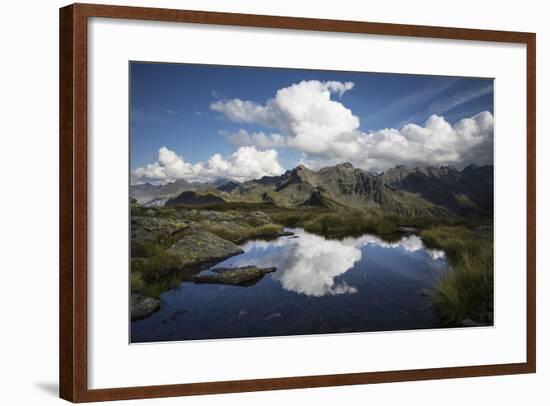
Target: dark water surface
x=320 y=286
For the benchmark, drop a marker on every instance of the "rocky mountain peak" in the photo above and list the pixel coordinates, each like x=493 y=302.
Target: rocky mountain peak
x=345 y=165
x=441 y=170
x=301 y=172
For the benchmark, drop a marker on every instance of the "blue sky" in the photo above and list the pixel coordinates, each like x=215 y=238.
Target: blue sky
x=171 y=107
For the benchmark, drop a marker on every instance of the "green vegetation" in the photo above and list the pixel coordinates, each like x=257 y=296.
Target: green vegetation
x=150 y=264
x=339 y=225
x=350 y=222
x=466 y=291
x=154 y=285
x=160 y=262
x=242 y=233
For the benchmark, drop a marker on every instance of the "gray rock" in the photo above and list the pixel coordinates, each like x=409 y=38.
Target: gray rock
x=142 y=306
x=408 y=230
x=151 y=228
x=243 y=276
x=197 y=246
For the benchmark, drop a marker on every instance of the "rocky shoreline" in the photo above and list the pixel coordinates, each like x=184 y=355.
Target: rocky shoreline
x=177 y=244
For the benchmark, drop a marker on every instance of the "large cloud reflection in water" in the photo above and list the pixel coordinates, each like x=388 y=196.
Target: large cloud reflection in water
x=309 y=264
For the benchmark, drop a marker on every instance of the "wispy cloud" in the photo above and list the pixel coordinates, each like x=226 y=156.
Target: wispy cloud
x=412 y=99
x=152 y=113
x=217 y=95
x=449 y=103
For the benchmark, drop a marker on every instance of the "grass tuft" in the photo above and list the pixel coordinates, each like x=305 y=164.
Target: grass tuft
x=466 y=290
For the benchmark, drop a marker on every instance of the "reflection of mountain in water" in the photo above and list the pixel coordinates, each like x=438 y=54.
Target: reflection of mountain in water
x=310 y=264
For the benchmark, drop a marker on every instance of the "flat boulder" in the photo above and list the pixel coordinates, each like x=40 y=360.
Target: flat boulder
x=142 y=307
x=242 y=276
x=197 y=246
x=409 y=230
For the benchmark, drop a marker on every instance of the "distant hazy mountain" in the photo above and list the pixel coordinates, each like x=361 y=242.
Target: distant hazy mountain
x=432 y=190
x=157 y=195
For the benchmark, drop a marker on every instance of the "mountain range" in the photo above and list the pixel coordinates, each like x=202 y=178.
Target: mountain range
x=431 y=190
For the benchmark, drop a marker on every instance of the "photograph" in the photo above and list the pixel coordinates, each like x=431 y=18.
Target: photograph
x=282 y=202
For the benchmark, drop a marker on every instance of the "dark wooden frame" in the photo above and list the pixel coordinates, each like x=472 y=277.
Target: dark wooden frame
x=73 y=201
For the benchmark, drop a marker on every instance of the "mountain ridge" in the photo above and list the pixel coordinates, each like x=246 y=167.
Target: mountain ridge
x=423 y=190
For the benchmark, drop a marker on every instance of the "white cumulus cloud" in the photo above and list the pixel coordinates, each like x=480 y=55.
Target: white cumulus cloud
x=470 y=140
x=309 y=120
x=304 y=113
x=245 y=163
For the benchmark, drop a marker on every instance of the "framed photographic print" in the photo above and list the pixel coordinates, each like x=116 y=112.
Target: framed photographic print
x=255 y=202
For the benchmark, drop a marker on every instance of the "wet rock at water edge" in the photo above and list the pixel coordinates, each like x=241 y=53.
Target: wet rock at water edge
x=142 y=307
x=243 y=276
x=270 y=236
